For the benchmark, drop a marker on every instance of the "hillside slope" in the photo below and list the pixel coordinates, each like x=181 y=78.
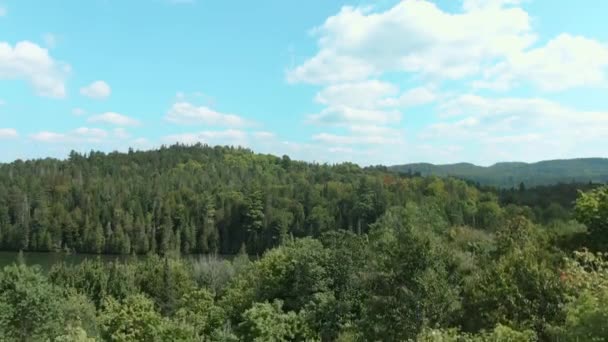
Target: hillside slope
x=513 y=173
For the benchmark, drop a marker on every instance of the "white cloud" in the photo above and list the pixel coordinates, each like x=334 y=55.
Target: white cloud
x=413 y=36
x=79 y=135
x=542 y=112
x=341 y=115
x=78 y=111
x=30 y=62
x=411 y=98
x=6 y=133
x=3 y=11
x=418 y=38
x=369 y=101
x=96 y=90
x=94 y=134
x=225 y=137
x=187 y=113
x=363 y=135
x=519 y=128
x=329 y=67
x=367 y=94
x=114 y=119
x=564 y=62
x=49 y=137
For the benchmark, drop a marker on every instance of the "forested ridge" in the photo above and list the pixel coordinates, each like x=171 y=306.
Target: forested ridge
x=511 y=174
x=204 y=199
x=323 y=252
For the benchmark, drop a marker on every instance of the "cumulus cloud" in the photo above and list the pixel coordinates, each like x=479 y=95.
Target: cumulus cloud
x=6 y=133
x=363 y=136
x=564 y=62
x=32 y=63
x=412 y=97
x=96 y=90
x=416 y=37
x=366 y=94
x=187 y=113
x=341 y=115
x=413 y=36
x=82 y=134
x=513 y=124
x=114 y=119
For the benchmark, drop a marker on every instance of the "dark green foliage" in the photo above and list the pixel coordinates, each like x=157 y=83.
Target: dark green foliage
x=201 y=199
x=408 y=279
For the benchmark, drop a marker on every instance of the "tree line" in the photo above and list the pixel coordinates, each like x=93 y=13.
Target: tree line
x=201 y=199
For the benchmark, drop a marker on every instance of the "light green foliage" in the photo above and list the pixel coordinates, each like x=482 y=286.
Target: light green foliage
x=293 y=273
x=96 y=279
x=521 y=288
x=408 y=280
x=29 y=305
x=500 y=333
x=133 y=319
x=489 y=215
x=213 y=273
x=266 y=322
x=592 y=210
x=79 y=313
x=74 y=334
x=198 y=310
x=586 y=276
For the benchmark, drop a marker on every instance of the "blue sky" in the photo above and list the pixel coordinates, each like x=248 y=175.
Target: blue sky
x=372 y=82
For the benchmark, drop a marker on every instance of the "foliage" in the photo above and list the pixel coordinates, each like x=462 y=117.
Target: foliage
x=29 y=305
x=133 y=319
x=201 y=199
x=327 y=253
x=267 y=322
x=408 y=280
x=592 y=210
x=586 y=276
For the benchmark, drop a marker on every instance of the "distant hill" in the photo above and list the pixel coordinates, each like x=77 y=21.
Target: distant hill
x=506 y=175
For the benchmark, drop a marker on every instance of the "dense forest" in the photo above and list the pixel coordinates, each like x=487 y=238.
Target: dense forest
x=319 y=252
x=511 y=174
x=208 y=200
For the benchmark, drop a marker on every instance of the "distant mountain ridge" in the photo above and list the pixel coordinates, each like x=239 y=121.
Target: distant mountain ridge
x=511 y=174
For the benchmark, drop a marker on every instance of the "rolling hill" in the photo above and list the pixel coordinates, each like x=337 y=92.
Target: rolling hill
x=511 y=174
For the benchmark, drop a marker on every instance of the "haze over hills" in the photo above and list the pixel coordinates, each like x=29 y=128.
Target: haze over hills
x=511 y=174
